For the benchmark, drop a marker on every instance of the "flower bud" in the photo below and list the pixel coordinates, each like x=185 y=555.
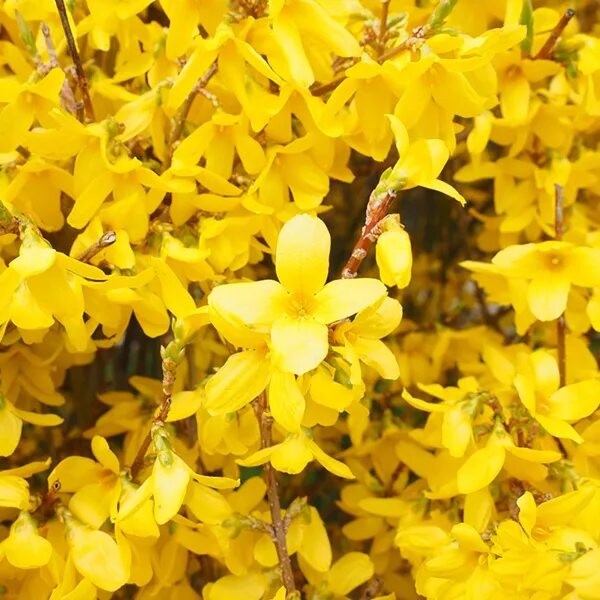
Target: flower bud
x=394 y=257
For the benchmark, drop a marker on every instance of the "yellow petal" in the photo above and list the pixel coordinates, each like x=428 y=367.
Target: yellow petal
x=583 y=266
x=25 y=548
x=558 y=428
x=239 y=381
x=14 y=492
x=480 y=469
x=176 y=298
x=255 y=303
x=250 y=587
x=315 y=548
x=575 y=401
x=302 y=256
x=33 y=261
x=547 y=296
x=207 y=505
x=456 y=431
x=10 y=429
x=514 y=99
x=378 y=356
x=184 y=404
x=286 y=401
x=299 y=344
x=104 y=455
x=527 y=511
x=170 y=483
x=345 y=297
x=350 y=571
x=331 y=464
x=292 y=455
x=97 y=557
x=422 y=404
x=547 y=377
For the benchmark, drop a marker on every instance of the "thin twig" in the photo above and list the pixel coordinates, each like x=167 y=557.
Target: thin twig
x=377 y=208
x=169 y=366
x=548 y=47
x=561 y=326
x=383 y=23
x=417 y=34
x=180 y=119
x=107 y=239
x=82 y=82
x=279 y=529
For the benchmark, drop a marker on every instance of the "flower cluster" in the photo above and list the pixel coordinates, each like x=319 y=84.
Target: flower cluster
x=299 y=299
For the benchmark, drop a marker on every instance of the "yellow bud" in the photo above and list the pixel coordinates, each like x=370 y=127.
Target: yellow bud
x=394 y=257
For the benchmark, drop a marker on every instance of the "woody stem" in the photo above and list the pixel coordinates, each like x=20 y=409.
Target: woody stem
x=561 y=327
x=278 y=523
x=377 y=208
x=548 y=47
x=169 y=367
x=82 y=82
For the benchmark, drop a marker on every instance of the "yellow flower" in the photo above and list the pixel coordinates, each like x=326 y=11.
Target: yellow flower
x=550 y=269
x=296 y=311
x=96 y=554
x=420 y=163
x=362 y=339
x=97 y=485
x=11 y=424
x=42 y=285
x=293 y=454
x=167 y=484
x=25 y=548
x=555 y=408
x=25 y=103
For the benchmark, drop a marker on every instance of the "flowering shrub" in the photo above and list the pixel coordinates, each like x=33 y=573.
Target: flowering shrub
x=299 y=299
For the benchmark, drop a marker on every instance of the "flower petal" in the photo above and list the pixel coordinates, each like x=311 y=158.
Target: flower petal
x=286 y=401
x=170 y=483
x=299 y=344
x=292 y=455
x=241 y=379
x=345 y=297
x=350 y=571
x=575 y=401
x=255 y=303
x=547 y=296
x=331 y=464
x=302 y=256
x=10 y=426
x=480 y=469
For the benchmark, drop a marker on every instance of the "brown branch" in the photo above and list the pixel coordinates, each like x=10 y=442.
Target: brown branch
x=547 y=49
x=417 y=34
x=377 y=208
x=278 y=524
x=170 y=359
x=107 y=239
x=180 y=119
x=561 y=326
x=82 y=82
x=383 y=23
x=373 y=589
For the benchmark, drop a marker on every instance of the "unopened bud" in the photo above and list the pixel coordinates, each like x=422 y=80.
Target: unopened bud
x=394 y=257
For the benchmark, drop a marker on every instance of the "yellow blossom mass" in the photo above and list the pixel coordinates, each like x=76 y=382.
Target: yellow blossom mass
x=299 y=299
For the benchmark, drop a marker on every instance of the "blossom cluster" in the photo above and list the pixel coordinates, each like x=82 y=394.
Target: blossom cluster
x=299 y=299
